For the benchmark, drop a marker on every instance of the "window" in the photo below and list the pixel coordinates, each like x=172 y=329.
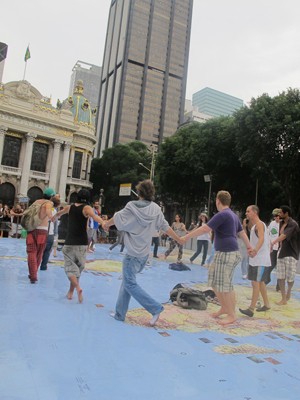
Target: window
x=39 y=157
x=11 y=151
x=77 y=165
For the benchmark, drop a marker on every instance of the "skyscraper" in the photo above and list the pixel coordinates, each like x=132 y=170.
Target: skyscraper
x=144 y=71
x=90 y=75
x=215 y=103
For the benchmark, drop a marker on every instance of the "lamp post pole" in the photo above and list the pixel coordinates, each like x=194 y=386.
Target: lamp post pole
x=208 y=178
x=101 y=200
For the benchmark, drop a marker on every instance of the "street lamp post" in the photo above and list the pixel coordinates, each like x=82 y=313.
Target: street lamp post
x=208 y=178
x=151 y=170
x=101 y=200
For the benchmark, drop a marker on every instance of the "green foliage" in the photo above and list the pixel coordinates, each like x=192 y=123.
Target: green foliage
x=119 y=164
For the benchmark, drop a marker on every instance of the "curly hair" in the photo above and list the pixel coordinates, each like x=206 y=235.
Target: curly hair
x=145 y=189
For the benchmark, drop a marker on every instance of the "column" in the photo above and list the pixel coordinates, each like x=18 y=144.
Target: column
x=89 y=167
x=70 y=167
x=64 y=171
x=3 y=131
x=26 y=164
x=54 y=163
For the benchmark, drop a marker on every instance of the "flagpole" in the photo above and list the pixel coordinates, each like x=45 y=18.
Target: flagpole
x=26 y=58
x=24 y=70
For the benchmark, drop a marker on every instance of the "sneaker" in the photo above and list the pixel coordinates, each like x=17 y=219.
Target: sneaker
x=247 y=312
x=112 y=314
x=244 y=276
x=263 y=308
x=109 y=250
x=148 y=263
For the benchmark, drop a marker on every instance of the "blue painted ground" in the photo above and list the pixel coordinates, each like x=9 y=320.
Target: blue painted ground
x=55 y=349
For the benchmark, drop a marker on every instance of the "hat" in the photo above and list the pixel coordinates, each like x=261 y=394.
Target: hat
x=83 y=196
x=276 y=211
x=49 y=192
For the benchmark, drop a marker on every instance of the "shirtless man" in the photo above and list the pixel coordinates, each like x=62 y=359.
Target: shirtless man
x=76 y=242
x=36 y=240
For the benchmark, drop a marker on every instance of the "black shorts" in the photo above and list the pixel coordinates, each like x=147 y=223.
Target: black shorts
x=258 y=273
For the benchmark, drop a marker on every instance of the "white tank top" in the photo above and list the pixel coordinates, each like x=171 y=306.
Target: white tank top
x=262 y=258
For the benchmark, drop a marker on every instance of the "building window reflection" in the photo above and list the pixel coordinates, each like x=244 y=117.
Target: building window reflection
x=77 y=165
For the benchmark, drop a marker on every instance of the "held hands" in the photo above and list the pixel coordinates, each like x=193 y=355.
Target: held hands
x=251 y=252
x=105 y=226
x=182 y=240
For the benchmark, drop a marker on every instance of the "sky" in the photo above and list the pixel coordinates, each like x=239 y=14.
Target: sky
x=241 y=47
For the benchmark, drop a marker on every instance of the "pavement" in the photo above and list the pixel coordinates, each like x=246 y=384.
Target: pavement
x=52 y=348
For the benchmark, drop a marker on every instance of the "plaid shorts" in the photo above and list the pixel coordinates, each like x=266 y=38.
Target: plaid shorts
x=286 y=268
x=221 y=270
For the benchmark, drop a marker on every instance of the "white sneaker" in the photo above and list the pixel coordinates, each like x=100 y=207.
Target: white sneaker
x=112 y=314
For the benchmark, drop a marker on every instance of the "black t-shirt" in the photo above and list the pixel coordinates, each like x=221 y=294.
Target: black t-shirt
x=77 y=226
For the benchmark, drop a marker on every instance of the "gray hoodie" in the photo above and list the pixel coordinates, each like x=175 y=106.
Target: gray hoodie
x=139 y=220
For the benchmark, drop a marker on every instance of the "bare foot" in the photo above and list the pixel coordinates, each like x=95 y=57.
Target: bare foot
x=288 y=296
x=217 y=314
x=226 y=321
x=70 y=295
x=80 y=297
x=281 y=303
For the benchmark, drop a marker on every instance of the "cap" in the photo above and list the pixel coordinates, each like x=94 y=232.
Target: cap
x=83 y=196
x=276 y=211
x=49 y=192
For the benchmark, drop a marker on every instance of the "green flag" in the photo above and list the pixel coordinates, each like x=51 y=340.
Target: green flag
x=27 y=54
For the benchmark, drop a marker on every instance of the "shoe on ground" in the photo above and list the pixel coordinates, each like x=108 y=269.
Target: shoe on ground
x=247 y=312
x=244 y=276
x=263 y=308
x=112 y=314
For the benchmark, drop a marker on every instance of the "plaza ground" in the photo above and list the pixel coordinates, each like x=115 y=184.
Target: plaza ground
x=52 y=348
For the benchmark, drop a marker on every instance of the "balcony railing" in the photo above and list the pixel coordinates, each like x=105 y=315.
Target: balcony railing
x=39 y=175
x=79 y=182
x=4 y=169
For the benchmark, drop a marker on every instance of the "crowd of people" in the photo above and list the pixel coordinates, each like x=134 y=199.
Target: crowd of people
x=258 y=247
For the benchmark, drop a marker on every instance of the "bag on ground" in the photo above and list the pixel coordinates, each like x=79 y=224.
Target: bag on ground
x=188 y=298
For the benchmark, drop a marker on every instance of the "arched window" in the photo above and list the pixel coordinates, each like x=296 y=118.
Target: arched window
x=34 y=194
x=7 y=193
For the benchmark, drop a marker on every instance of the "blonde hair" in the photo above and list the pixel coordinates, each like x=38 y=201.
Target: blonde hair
x=224 y=197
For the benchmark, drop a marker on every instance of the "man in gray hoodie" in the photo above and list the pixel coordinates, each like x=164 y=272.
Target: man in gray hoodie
x=139 y=220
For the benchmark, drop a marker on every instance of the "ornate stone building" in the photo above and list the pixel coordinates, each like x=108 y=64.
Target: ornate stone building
x=41 y=145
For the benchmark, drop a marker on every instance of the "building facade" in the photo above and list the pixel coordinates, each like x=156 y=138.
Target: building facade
x=144 y=71
x=212 y=102
x=42 y=146
x=90 y=75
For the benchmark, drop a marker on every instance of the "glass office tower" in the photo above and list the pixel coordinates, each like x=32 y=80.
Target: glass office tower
x=144 y=71
x=215 y=103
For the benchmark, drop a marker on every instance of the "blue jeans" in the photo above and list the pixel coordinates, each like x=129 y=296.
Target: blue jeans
x=47 y=252
x=131 y=267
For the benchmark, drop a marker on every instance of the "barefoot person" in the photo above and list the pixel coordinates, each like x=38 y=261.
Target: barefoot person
x=139 y=220
x=288 y=253
x=226 y=226
x=259 y=261
x=77 y=240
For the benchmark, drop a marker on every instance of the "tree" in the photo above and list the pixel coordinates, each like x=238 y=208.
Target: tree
x=268 y=141
x=119 y=164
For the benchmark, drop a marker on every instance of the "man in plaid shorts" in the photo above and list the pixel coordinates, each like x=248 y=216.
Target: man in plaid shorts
x=226 y=226
x=288 y=253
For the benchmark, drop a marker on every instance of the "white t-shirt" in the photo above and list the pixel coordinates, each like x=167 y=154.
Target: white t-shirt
x=273 y=229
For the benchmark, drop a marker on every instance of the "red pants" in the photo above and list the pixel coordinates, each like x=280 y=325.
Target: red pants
x=36 y=242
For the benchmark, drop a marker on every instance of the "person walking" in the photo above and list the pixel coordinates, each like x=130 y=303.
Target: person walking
x=226 y=226
x=259 y=261
x=288 y=253
x=273 y=229
x=119 y=240
x=76 y=242
x=36 y=239
x=202 y=240
x=180 y=229
x=139 y=220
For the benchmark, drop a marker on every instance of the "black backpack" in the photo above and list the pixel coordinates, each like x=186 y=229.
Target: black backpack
x=188 y=298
